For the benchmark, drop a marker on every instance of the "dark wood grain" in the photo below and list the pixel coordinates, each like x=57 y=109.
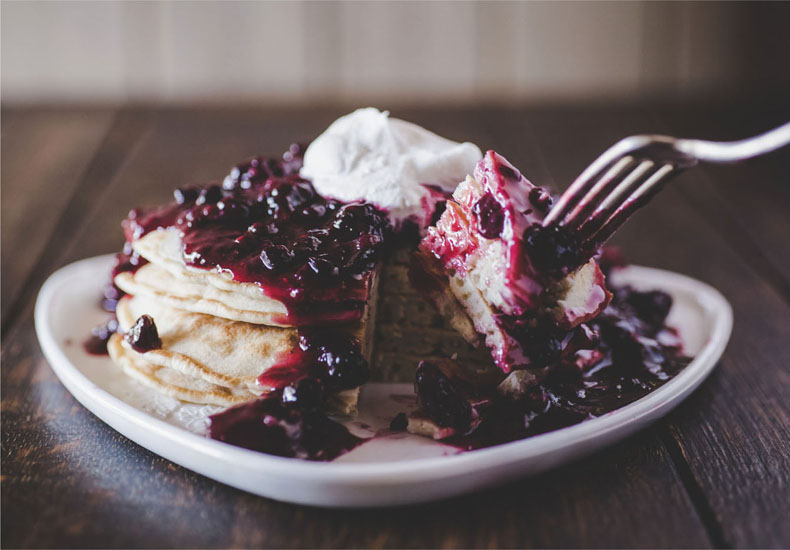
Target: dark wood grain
x=701 y=478
x=748 y=202
x=44 y=155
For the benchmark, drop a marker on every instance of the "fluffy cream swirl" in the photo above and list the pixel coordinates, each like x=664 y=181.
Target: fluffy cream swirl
x=368 y=156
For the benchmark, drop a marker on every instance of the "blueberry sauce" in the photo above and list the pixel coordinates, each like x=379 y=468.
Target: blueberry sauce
x=329 y=357
x=125 y=261
x=143 y=335
x=611 y=361
x=279 y=424
x=554 y=252
x=490 y=216
x=96 y=343
x=266 y=225
x=290 y=419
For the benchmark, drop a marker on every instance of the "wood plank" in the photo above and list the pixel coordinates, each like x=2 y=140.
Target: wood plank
x=75 y=482
x=748 y=202
x=733 y=435
x=44 y=156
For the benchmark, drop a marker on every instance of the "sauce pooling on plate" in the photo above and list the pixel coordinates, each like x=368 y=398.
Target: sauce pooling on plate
x=617 y=358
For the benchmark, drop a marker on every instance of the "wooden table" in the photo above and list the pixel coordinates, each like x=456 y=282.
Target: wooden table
x=715 y=472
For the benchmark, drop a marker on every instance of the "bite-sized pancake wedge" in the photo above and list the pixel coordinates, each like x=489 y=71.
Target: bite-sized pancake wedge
x=499 y=276
x=248 y=357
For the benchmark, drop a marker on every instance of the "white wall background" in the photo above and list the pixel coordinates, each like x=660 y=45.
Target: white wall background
x=328 y=51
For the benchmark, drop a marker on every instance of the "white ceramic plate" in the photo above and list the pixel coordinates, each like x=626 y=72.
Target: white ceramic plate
x=388 y=470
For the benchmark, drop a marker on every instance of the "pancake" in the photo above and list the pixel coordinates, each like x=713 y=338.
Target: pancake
x=163 y=249
x=172 y=382
x=196 y=294
x=215 y=292
x=180 y=386
x=220 y=351
x=225 y=354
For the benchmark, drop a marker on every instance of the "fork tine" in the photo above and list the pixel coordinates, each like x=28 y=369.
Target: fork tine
x=588 y=203
x=590 y=223
x=578 y=188
x=587 y=178
x=634 y=202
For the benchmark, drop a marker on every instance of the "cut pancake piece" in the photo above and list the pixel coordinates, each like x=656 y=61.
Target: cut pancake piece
x=171 y=382
x=492 y=269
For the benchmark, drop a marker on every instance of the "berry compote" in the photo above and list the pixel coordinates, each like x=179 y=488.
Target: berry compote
x=266 y=225
x=290 y=422
x=329 y=356
x=290 y=419
x=607 y=363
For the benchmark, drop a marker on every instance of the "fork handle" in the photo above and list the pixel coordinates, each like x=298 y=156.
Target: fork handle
x=733 y=151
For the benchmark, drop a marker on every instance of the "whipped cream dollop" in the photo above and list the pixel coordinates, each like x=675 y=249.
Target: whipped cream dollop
x=368 y=156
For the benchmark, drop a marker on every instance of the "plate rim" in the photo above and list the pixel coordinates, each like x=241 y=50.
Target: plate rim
x=596 y=432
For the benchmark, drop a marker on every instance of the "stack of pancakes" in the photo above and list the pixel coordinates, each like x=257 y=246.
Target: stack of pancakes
x=218 y=335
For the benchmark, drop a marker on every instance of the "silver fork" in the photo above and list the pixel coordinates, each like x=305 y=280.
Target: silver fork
x=632 y=171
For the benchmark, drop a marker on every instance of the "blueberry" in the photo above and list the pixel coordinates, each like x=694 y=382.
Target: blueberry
x=542 y=343
x=322 y=267
x=440 y=399
x=143 y=336
x=210 y=212
x=186 y=194
x=272 y=167
x=263 y=229
x=307 y=394
x=339 y=361
x=651 y=307
x=209 y=195
x=232 y=210
x=508 y=172
x=299 y=195
x=540 y=199
x=345 y=366
x=353 y=220
x=553 y=250
x=362 y=261
x=314 y=211
x=490 y=216
x=307 y=244
x=276 y=257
